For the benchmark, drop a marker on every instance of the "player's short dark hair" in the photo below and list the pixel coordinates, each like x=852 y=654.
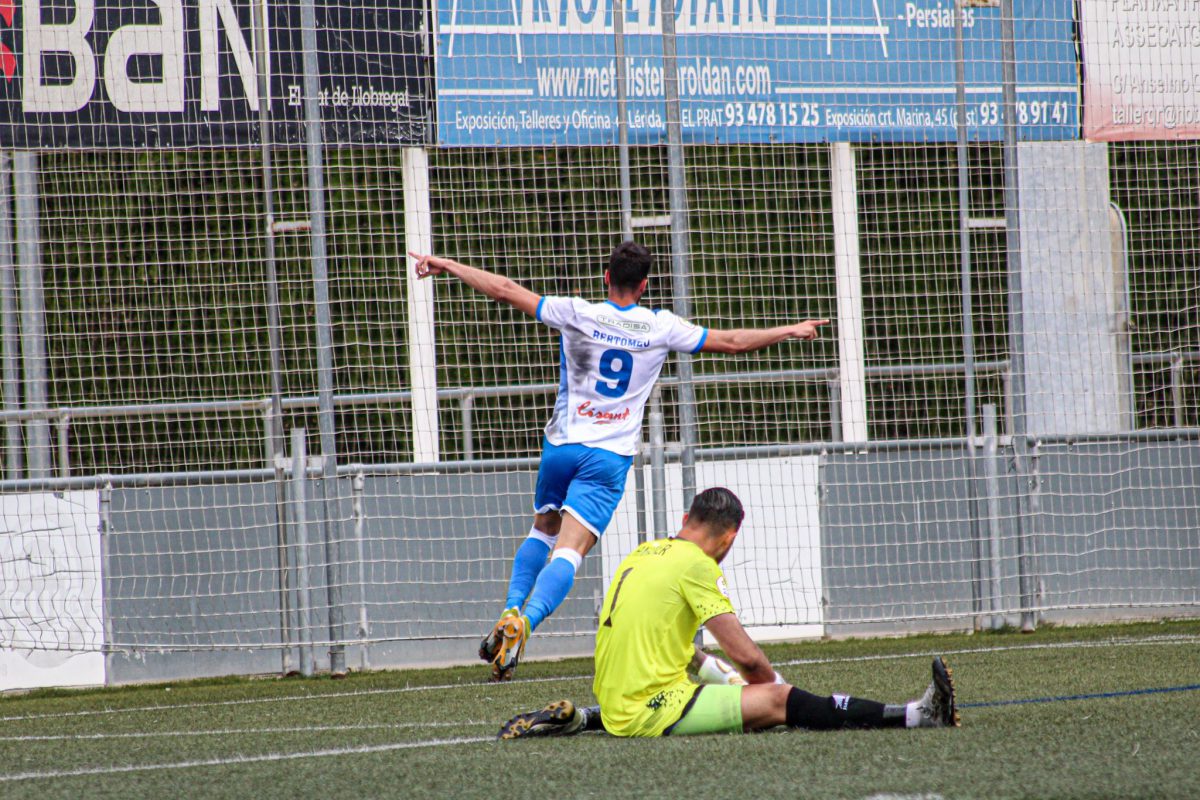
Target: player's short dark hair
x=629 y=265
x=717 y=509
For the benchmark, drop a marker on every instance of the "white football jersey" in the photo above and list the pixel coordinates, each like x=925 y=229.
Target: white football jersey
x=609 y=359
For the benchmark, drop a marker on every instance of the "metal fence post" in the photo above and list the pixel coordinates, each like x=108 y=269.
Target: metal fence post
x=1177 y=390
x=1032 y=616
x=273 y=411
x=680 y=250
x=64 y=445
x=964 y=223
x=847 y=258
x=270 y=440
x=1016 y=301
x=658 y=468
x=835 y=409
x=364 y=625
x=300 y=524
x=966 y=298
x=991 y=472
x=1024 y=523
x=466 y=410
x=105 y=595
x=622 y=124
x=419 y=297
x=324 y=330
x=33 y=311
x=639 y=490
x=273 y=435
x=10 y=328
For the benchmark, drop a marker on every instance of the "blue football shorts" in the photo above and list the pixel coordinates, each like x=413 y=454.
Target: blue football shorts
x=586 y=481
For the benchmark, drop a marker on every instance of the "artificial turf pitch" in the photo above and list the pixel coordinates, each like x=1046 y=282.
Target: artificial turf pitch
x=429 y=733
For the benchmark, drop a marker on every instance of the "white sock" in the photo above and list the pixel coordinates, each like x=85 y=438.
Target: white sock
x=570 y=555
x=544 y=538
x=912 y=714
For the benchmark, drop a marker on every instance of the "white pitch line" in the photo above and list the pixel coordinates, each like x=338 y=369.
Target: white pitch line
x=1167 y=639
x=280 y=699
x=224 y=762
x=238 y=731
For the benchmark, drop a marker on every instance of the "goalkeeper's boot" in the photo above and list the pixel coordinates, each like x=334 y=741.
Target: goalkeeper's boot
x=557 y=719
x=938 y=709
x=513 y=633
x=491 y=643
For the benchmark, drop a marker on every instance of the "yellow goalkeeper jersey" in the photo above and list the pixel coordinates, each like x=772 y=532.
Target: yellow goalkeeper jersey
x=661 y=593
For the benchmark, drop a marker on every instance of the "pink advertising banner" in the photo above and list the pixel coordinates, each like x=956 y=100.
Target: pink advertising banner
x=1141 y=62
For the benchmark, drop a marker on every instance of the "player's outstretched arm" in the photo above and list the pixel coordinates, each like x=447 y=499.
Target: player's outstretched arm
x=745 y=654
x=747 y=340
x=494 y=286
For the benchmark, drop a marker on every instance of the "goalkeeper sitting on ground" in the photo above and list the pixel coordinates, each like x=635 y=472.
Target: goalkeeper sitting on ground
x=660 y=595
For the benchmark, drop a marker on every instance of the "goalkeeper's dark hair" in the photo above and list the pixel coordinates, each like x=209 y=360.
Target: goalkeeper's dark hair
x=717 y=509
x=629 y=265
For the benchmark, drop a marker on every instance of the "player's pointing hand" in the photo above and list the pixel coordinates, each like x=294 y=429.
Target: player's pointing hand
x=808 y=330
x=429 y=264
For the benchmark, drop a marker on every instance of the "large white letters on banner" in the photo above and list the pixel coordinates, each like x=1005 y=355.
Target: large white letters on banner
x=165 y=40
x=210 y=98
x=185 y=73
x=40 y=38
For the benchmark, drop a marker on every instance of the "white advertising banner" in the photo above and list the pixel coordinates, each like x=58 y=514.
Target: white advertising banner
x=1141 y=61
x=51 y=602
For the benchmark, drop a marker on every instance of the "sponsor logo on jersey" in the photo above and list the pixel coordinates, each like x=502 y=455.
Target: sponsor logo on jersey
x=722 y=586
x=599 y=417
x=841 y=701
x=627 y=325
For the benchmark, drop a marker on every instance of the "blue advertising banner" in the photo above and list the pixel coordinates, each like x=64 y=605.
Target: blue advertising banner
x=543 y=72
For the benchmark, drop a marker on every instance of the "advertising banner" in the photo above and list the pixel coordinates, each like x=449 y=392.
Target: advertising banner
x=524 y=72
x=173 y=73
x=51 y=606
x=1141 y=69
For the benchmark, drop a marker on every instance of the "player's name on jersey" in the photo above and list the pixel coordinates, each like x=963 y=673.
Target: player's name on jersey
x=620 y=341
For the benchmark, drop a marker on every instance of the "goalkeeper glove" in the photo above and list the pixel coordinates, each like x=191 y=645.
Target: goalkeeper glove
x=714 y=670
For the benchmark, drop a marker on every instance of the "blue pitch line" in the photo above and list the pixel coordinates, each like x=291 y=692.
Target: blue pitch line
x=1063 y=698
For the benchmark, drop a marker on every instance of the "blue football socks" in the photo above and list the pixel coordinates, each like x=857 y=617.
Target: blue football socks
x=552 y=586
x=528 y=563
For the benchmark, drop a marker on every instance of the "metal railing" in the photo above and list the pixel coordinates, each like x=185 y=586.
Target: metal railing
x=61 y=418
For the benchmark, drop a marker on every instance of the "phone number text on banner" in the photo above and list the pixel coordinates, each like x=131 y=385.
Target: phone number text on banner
x=543 y=72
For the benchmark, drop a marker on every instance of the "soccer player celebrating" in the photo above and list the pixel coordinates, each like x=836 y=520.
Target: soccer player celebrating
x=659 y=596
x=611 y=355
